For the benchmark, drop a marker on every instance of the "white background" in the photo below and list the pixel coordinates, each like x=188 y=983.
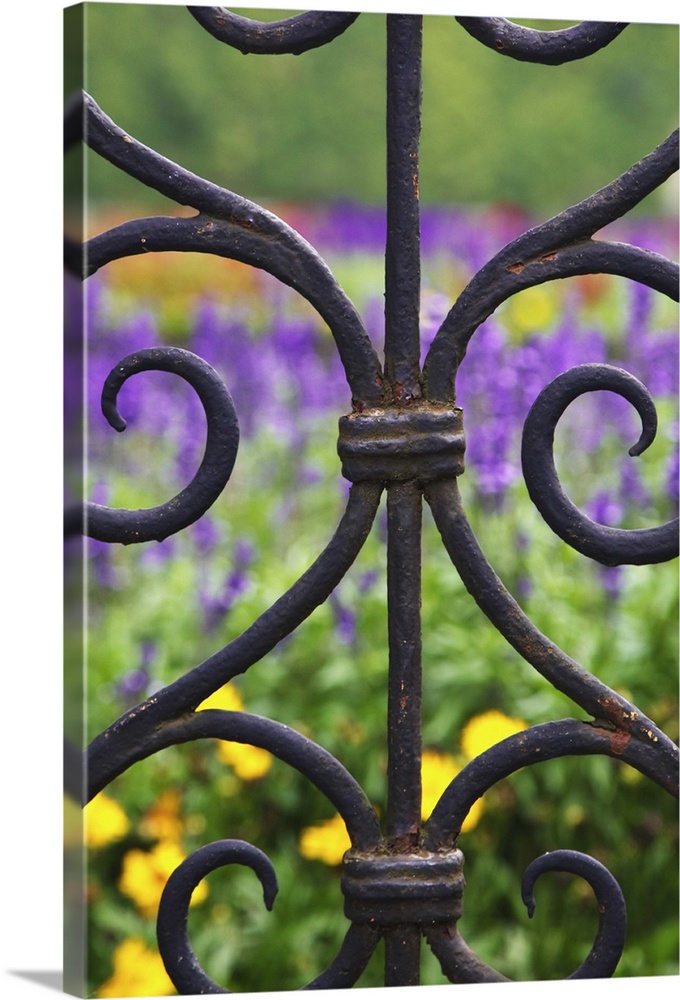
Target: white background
x=31 y=143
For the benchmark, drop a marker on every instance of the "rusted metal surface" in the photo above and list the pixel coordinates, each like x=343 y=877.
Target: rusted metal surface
x=402 y=880
x=421 y=443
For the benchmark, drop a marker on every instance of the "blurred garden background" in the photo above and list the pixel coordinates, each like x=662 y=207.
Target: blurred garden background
x=504 y=146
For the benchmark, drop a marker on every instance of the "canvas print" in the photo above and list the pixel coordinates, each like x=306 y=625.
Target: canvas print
x=371 y=493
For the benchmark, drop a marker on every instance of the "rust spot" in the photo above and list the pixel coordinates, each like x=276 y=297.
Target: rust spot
x=548 y=257
x=403 y=702
x=619 y=741
x=516 y=268
x=500 y=44
x=245 y=223
x=398 y=391
x=615 y=712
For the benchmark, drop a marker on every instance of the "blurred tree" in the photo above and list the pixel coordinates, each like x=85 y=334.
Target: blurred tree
x=309 y=127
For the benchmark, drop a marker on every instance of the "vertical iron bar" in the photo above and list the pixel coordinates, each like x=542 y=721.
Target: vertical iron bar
x=404 y=519
x=404 y=507
x=402 y=254
x=402 y=956
x=404 y=499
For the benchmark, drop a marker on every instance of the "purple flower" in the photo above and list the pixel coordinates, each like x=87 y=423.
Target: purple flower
x=217 y=606
x=367 y=580
x=159 y=552
x=605 y=509
x=611 y=578
x=345 y=620
x=282 y=367
x=346 y=227
x=244 y=552
x=139 y=332
x=641 y=302
x=241 y=360
x=133 y=687
x=631 y=487
x=206 y=534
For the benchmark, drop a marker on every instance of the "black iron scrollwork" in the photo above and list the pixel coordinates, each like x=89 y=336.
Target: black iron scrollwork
x=157 y=523
x=295 y=34
x=548 y=47
x=463 y=966
x=610 y=546
x=173 y=940
x=403 y=436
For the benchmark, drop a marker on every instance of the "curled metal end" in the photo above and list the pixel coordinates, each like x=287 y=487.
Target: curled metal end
x=609 y=546
x=110 y=398
x=171 y=927
x=608 y=947
x=108 y=524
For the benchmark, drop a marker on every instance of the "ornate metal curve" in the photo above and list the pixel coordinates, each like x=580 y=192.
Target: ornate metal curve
x=610 y=546
x=311 y=760
x=173 y=939
x=294 y=34
x=560 y=248
x=552 y=48
x=229 y=226
x=463 y=966
x=157 y=523
x=404 y=436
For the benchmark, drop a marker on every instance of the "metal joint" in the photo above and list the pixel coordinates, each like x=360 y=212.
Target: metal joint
x=424 y=443
x=394 y=889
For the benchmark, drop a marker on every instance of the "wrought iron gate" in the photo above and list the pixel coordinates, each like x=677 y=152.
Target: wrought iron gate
x=401 y=881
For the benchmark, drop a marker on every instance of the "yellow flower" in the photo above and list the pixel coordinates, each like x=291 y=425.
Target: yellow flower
x=533 y=309
x=326 y=841
x=249 y=763
x=485 y=730
x=138 y=971
x=104 y=821
x=145 y=873
x=438 y=770
x=162 y=821
x=227 y=698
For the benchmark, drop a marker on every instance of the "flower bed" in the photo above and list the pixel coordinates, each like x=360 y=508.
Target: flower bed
x=157 y=610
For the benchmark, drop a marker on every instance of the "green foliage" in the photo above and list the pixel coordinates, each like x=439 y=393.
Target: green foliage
x=291 y=127
x=335 y=692
x=305 y=127
x=330 y=685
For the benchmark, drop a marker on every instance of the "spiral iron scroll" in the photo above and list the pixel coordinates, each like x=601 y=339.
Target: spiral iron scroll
x=409 y=418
